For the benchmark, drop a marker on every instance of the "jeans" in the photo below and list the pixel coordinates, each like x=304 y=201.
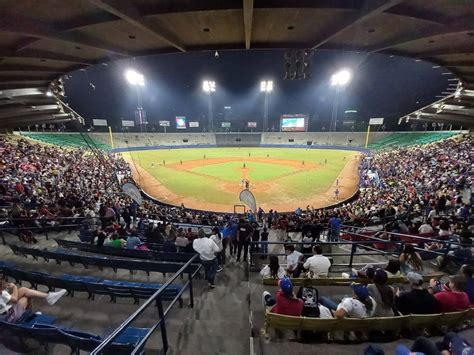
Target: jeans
x=334 y=235
x=210 y=269
x=264 y=246
x=245 y=245
x=327 y=302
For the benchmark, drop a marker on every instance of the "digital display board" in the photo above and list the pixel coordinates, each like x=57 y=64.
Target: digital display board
x=252 y=124
x=180 y=122
x=225 y=124
x=293 y=123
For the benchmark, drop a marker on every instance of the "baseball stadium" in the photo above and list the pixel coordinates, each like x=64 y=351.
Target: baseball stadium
x=236 y=177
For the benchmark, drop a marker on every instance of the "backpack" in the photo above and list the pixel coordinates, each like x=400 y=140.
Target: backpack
x=310 y=297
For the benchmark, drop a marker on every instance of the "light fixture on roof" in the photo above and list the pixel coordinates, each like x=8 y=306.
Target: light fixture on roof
x=341 y=78
x=134 y=78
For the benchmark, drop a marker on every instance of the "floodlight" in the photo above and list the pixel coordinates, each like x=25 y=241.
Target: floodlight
x=266 y=86
x=134 y=78
x=209 y=86
x=341 y=78
x=49 y=93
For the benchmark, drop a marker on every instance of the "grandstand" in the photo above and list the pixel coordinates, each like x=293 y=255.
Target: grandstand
x=90 y=263
x=398 y=140
x=73 y=140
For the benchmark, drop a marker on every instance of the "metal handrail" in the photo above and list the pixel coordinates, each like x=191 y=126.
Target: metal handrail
x=109 y=339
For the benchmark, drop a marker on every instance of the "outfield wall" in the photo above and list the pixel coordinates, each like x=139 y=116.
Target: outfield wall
x=247 y=139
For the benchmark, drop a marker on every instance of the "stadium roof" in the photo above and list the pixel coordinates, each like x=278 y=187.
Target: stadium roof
x=42 y=40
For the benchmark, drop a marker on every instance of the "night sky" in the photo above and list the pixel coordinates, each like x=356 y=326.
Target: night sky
x=382 y=86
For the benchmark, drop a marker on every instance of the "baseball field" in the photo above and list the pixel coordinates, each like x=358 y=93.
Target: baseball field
x=280 y=178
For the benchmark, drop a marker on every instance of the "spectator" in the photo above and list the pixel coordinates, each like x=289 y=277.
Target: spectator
x=410 y=259
x=310 y=297
x=216 y=237
x=293 y=260
x=334 y=226
x=14 y=301
x=466 y=272
x=133 y=241
x=116 y=242
x=244 y=233
x=285 y=303
x=273 y=270
x=454 y=299
x=416 y=301
x=264 y=242
x=360 y=305
x=318 y=265
x=207 y=250
x=383 y=295
x=181 y=242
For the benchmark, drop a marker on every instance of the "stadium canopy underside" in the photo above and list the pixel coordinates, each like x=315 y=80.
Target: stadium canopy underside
x=42 y=40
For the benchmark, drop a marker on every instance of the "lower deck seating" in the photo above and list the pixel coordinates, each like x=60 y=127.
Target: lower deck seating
x=130 y=253
x=73 y=258
x=91 y=285
x=324 y=325
x=42 y=329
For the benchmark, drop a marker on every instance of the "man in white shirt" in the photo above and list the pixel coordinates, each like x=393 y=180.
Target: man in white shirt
x=207 y=250
x=317 y=265
x=293 y=259
x=425 y=228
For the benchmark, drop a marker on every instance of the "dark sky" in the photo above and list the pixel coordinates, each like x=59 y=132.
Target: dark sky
x=382 y=86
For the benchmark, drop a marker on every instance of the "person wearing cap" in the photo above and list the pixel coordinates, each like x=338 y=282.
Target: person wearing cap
x=382 y=293
x=416 y=301
x=360 y=305
x=454 y=299
x=286 y=302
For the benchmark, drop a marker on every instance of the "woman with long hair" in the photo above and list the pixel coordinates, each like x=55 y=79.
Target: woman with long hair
x=383 y=294
x=216 y=237
x=410 y=260
x=273 y=270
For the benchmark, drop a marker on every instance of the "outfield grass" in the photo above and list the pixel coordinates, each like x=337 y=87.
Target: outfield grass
x=292 y=187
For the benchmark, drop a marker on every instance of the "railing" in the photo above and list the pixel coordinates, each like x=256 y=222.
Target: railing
x=161 y=313
x=43 y=225
x=366 y=245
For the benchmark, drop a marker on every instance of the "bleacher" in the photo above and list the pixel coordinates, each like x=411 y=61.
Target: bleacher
x=238 y=139
x=130 y=253
x=42 y=329
x=404 y=139
x=72 y=140
x=72 y=257
x=89 y=284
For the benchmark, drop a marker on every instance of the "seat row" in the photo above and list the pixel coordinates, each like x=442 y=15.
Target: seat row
x=73 y=257
x=42 y=329
x=331 y=325
x=92 y=285
x=129 y=253
x=342 y=281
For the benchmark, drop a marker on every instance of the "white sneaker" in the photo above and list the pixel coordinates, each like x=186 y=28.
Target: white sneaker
x=346 y=275
x=38 y=313
x=54 y=297
x=220 y=268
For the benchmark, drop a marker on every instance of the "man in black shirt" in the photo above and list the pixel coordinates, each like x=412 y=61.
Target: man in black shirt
x=416 y=301
x=244 y=232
